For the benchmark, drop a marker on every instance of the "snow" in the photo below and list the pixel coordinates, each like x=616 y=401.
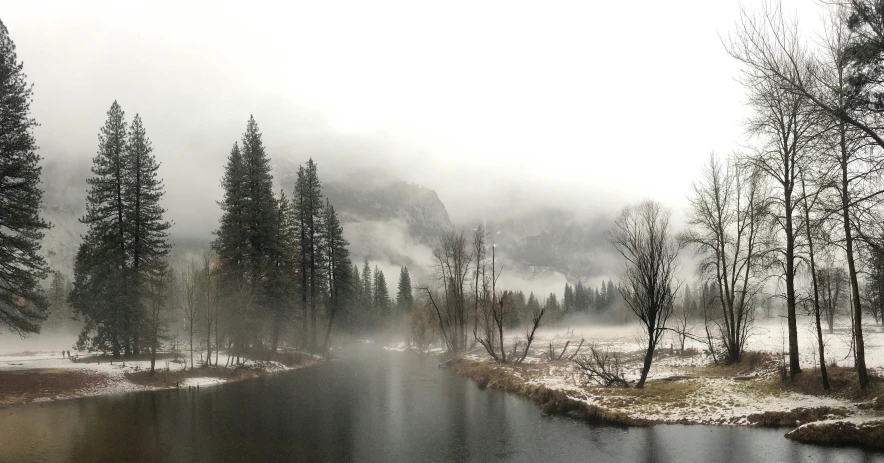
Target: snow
x=710 y=400
x=202 y=382
x=109 y=377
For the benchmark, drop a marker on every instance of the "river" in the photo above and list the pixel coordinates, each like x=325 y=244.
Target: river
x=370 y=406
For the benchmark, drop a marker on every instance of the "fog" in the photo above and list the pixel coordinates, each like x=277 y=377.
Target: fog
x=456 y=97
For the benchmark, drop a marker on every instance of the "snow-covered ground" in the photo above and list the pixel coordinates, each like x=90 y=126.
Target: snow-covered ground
x=202 y=381
x=98 y=376
x=709 y=395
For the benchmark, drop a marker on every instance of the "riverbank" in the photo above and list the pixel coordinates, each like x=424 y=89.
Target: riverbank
x=29 y=376
x=687 y=388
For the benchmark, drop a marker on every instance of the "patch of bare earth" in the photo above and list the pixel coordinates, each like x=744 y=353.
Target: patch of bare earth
x=25 y=386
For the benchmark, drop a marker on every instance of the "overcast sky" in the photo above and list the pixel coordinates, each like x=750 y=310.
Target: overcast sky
x=598 y=102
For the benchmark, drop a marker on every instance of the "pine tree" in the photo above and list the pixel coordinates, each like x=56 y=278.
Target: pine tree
x=532 y=306
x=309 y=205
x=57 y=294
x=354 y=314
x=610 y=294
x=259 y=203
x=101 y=271
x=146 y=229
x=340 y=283
x=381 y=296
x=246 y=240
x=568 y=299
x=282 y=273
x=581 y=298
x=22 y=305
x=230 y=239
x=404 y=296
x=367 y=288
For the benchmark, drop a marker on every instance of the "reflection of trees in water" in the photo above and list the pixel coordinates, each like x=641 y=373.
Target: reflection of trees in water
x=119 y=428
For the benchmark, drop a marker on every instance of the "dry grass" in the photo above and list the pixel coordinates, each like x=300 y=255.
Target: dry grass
x=655 y=393
x=842 y=381
x=514 y=378
x=753 y=363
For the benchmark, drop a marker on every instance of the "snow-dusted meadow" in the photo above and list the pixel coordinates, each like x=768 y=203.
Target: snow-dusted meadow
x=108 y=376
x=688 y=388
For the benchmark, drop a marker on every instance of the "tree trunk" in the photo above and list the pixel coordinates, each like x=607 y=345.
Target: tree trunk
x=153 y=359
x=794 y=365
x=861 y=371
x=816 y=291
x=646 y=366
x=859 y=347
x=830 y=315
x=331 y=319
x=276 y=323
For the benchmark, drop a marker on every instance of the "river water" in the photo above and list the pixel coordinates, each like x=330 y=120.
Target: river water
x=371 y=406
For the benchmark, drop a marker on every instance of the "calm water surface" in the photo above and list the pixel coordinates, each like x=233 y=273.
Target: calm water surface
x=371 y=406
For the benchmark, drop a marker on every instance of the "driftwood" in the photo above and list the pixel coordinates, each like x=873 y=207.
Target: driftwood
x=576 y=351
x=564 y=349
x=457 y=357
x=603 y=368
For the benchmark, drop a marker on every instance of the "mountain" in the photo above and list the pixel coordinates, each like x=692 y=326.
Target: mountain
x=545 y=240
x=384 y=220
x=387 y=220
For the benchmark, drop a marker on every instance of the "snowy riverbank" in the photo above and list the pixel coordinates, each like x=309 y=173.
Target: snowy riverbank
x=689 y=389
x=39 y=376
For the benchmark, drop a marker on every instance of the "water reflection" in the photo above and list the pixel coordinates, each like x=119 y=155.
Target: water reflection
x=371 y=406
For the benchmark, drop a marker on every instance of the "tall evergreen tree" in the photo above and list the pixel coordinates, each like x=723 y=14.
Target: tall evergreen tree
x=22 y=304
x=569 y=298
x=147 y=231
x=381 y=296
x=404 y=296
x=260 y=205
x=340 y=282
x=101 y=271
x=231 y=242
x=246 y=240
x=367 y=288
x=282 y=273
x=309 y=205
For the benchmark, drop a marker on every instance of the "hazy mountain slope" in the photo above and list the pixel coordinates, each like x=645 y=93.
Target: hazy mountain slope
x=385 y=220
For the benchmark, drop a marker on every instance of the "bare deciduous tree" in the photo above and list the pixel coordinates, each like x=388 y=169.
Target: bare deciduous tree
x=191 y=296
x=784 y=125
x=808 y=227
x=536 y=317
x=452 y=259
x=729 y=210
x=642 y=235
x=208 y=284
x=843 y=87
x=158 y=295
